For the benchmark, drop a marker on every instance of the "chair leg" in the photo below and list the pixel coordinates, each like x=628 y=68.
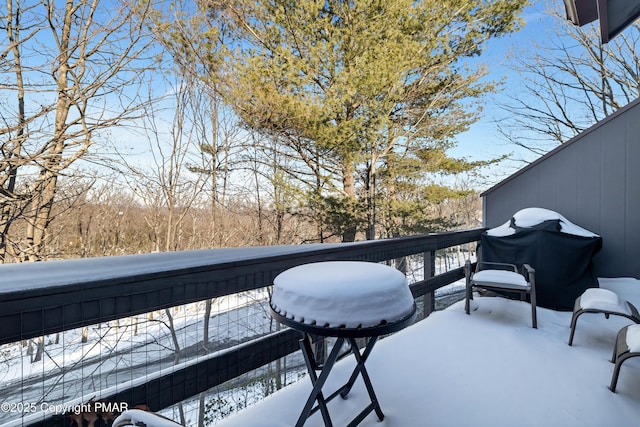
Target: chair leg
x=534 y=312
x=574 y=322
x=621 y=353
x=620 y=358
x=614 y=378
x=468 y=287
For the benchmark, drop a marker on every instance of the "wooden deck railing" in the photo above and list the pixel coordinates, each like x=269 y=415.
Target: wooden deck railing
x=44 y=298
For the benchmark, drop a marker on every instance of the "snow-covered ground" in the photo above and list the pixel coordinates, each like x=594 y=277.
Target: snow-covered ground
x=489 y=368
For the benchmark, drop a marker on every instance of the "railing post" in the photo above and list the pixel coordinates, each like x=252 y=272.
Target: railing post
x=429 y=271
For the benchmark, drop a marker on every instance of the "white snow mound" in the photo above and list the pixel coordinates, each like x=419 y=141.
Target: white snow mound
x=530 y=217
x=347 y=294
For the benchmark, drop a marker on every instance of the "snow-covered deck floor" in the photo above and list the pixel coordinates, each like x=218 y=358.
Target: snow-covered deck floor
x=487 y=369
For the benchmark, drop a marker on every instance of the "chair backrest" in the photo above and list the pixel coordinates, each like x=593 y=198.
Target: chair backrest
x=486 y=265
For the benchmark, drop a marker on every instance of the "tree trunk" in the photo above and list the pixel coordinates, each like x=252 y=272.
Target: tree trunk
x=205 y=332
x=349 y=187
x=39 y=350
x=181 y=412
x=9 y=182
x=371 y=202
x=174 y=336
x=201 y=408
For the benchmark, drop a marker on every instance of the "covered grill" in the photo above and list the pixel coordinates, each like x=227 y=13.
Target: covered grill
x=560 y=251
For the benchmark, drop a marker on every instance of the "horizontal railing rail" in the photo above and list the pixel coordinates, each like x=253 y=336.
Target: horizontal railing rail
x=43 y=298
x=38 y=299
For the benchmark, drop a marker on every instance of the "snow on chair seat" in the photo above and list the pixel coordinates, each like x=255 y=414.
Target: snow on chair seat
x=604 y=301
x=502 y=277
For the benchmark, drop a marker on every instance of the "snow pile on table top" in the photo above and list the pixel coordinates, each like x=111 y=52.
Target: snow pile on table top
x=348 y=294
x=530 y=217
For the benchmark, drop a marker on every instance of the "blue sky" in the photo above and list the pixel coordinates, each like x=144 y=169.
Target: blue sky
x=483 y=140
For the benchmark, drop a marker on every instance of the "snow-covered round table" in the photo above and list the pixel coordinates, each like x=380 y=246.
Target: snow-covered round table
x=346 y=300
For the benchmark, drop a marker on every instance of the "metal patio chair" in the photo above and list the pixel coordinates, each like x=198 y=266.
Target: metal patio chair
x=496 y=276
x=627 y=346
x=602 y=301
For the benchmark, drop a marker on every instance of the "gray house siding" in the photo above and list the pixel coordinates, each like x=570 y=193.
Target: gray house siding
x=594 y=181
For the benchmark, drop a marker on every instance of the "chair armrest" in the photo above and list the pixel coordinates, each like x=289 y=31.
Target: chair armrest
x=529 y=273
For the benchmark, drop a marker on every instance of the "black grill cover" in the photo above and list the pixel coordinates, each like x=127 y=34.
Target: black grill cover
x=563 y=262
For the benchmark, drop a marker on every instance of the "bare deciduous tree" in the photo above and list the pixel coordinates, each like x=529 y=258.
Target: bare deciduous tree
x=70 y=71
x=569 y=82
x=166 y=187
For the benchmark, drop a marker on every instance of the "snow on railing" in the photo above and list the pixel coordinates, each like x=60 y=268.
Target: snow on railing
x=124 y=331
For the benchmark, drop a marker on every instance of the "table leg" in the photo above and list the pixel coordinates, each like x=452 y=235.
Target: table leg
x=344 y=391
x=362 y=370
x=318 y=381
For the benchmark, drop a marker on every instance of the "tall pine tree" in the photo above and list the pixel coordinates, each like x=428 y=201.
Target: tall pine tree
x=356 y=87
